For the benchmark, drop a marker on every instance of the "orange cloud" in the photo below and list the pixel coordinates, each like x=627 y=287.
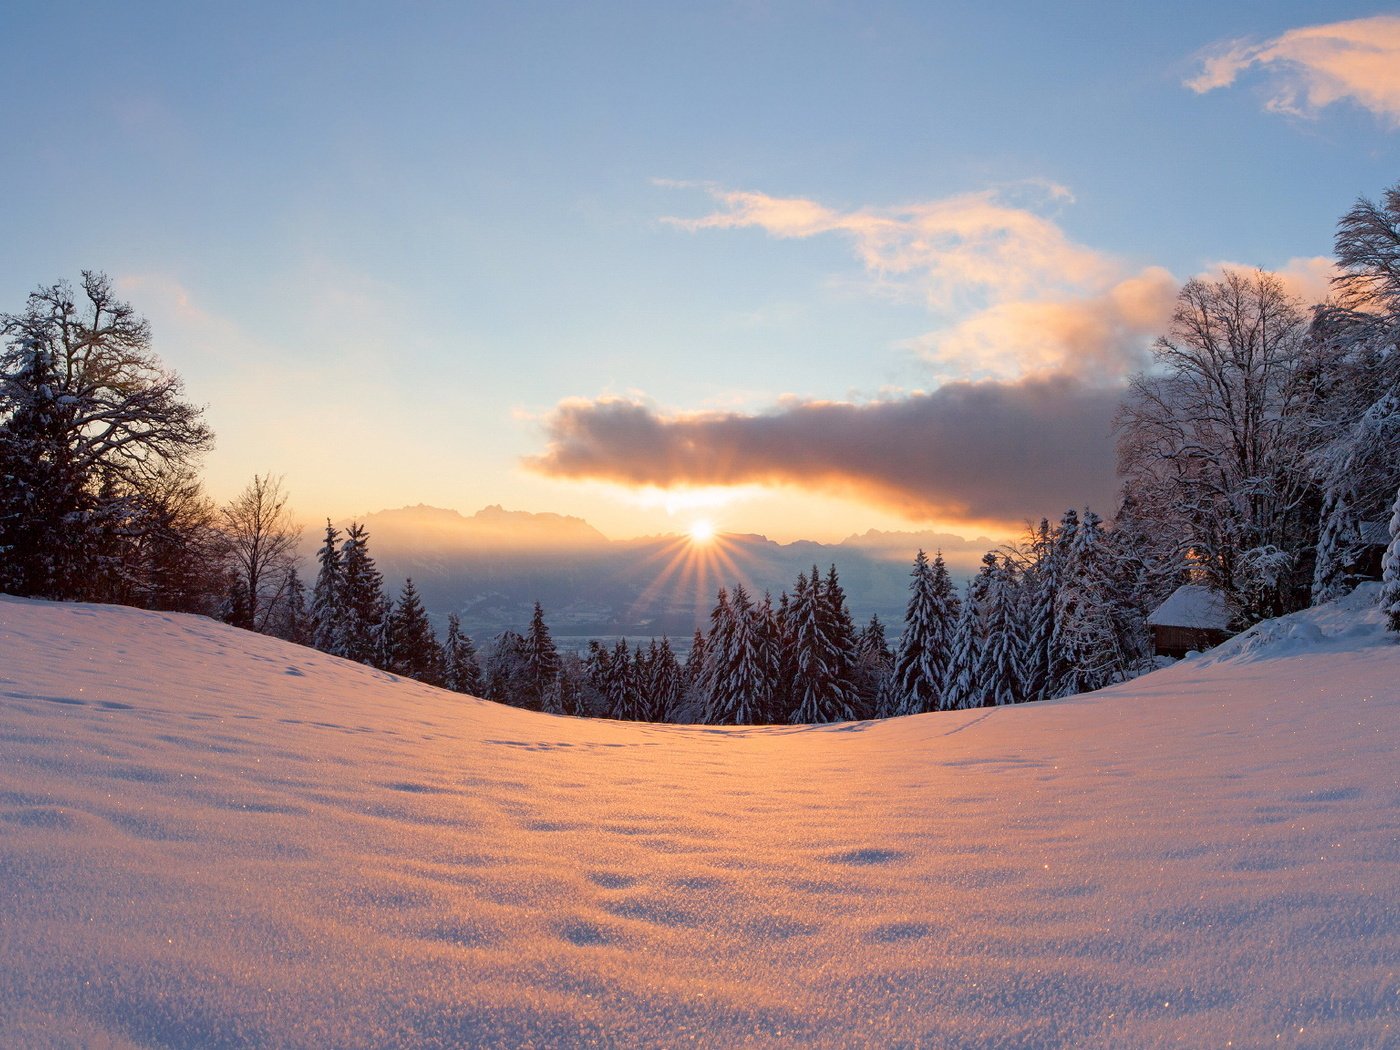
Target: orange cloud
x=973 y=246
x=1316 y=66
x=1097 y=337
x=978 y=452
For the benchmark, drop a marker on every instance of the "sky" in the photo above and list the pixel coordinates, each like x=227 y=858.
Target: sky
x=796 y=269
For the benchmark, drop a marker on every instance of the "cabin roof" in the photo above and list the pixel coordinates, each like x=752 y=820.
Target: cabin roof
x=1192 y=605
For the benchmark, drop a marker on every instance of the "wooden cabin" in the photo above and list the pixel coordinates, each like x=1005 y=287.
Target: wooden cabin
x=1194 y=618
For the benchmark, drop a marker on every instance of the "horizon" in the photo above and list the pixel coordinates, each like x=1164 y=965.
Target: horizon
x=654 y=269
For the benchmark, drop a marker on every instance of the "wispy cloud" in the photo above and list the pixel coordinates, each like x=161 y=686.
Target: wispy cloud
x=1012 y=293
x=1315 y=66
x=980 y=452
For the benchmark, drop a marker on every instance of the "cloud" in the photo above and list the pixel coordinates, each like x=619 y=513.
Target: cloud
x=985 y=451
x=1098 y=337
x=1316 y=66
x=969 y=248
x=1015 y=296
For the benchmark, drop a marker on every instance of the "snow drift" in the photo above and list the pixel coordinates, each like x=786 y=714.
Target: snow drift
x=211 y=838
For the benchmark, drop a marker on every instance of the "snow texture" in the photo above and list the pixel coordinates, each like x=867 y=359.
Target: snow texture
x=211 y=838
x=1192 y=605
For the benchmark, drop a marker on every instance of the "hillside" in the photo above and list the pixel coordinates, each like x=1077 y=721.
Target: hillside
x=211 y=838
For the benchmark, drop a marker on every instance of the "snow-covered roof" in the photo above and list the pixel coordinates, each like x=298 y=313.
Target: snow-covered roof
x=1192 y=605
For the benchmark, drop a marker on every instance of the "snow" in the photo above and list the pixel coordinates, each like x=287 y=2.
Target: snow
x=211 y=838
x=1192 y=605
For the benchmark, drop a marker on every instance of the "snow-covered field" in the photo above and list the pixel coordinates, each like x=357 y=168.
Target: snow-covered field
x=209 y=838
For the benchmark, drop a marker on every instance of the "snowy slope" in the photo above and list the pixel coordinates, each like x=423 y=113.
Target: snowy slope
x=209 y=838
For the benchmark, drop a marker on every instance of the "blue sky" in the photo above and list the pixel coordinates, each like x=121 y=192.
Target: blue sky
x=384 y=245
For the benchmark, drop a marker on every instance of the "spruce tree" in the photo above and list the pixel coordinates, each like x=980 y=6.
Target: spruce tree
x=873 y=662
x=999 y=665
x=364 y=609
x=822 y=686
x=414 y=651
x=916 y=669
x=462 y=668
x=541 y=666
x=1390 y=571
x=327 y=596
x=962 y=688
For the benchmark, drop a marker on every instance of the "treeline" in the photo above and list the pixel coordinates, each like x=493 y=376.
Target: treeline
x=1259 y=454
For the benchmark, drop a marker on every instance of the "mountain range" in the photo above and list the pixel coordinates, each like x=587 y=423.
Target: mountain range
x=492 y=566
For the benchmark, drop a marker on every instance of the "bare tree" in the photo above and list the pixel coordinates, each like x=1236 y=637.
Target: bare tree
x=1210 y=438
x=262 y=537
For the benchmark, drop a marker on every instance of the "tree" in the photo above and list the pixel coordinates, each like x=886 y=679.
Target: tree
x=413 y=648
x=1354 y=417
x=540 y=666
x=962 y=687
x=262 y=539
x=921 y=656
x=999 y=663
x=823 y=688
x=1390 y=571
x=1211 y=436
x=89 y=419
x=327 y=599
x=363 y=607
x=462 y=669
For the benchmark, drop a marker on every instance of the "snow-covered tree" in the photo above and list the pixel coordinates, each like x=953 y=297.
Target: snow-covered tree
x=999 y=663
x=360 y=631
x=920 y=660
x=327 y=597
x=873 y=665
x=1211 y=438
x=462 y=668
x=1390 y=571
x=540 y=669
x=962 y=688
x=413 y=648
x=823 y=685
x=89 y=420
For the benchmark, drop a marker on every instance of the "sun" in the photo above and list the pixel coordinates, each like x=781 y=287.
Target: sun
x=701 y=532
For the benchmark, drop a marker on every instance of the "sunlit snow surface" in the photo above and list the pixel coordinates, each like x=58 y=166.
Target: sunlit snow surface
x=209 y=838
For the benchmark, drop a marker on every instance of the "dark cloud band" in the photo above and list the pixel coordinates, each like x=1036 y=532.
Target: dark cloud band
x=967 y=451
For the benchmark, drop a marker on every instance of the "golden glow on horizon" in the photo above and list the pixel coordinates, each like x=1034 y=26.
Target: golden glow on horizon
x=701 y=532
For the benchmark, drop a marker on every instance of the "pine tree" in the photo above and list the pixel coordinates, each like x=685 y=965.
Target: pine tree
x=414 y=651
x=364 y=609
x=1041 y=591
x=292 y=621
x=462 y=668
x=620 y=684
x=873 y=662
x=504 y=671
x=666 y=682
x=541 y=666
x=1390 y=571
x=822 y=686
x=962 y=688
x=917 y=669
x=999 y=665
x=327 y=598
x=737 y=676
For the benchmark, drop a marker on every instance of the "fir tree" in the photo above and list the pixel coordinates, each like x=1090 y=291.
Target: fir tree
x=504 y=671
x=363 y=607
x=822 y=687
x=962 y=688
x=291 y=620
x=414 y=651
x=1390 y=571
x=541 y=666
x=462 y=671
x=327 y=596
x=873 y=661
x=999 y=664
x=918 y=669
